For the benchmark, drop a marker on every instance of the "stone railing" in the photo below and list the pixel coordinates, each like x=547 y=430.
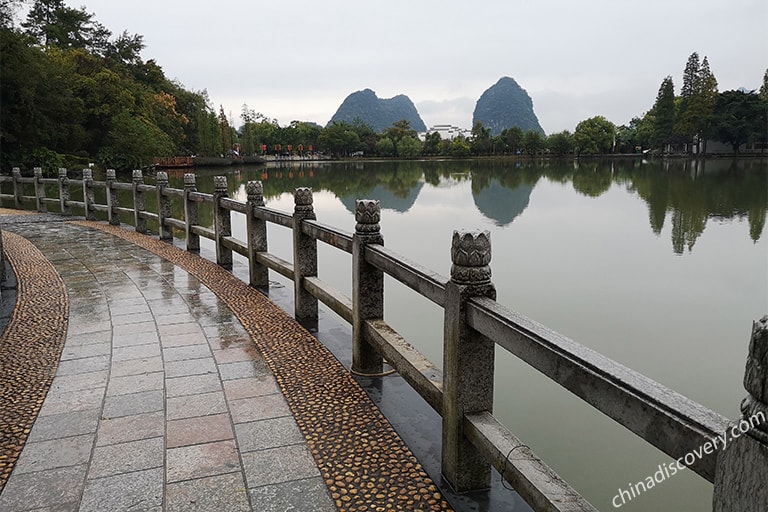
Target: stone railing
x=473 y=440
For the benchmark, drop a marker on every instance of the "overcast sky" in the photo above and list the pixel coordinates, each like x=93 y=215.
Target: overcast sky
x=299 y=59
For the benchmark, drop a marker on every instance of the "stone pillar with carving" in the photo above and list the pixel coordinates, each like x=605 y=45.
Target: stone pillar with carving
x=40 y=191
x=64 y=192
x=139 y=202
x=741 y=475
x=163 y=207
x=468 y=361
x=89 y=197
x=113 y=201
x=222 y=222
x=191 y=212
x=256 y=229
x=367 y=286
x=304 y=256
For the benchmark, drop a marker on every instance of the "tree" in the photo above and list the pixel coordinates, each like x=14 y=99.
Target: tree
x=385 y=147
x=480 y=142
x=133 y=142
x=459 y=147
x=52 y=23
x=339 y=139
x=513 y=139
x=594 y=136
x=690 y=76
x=740 y=117
x=697 y=99
x=764 y=88
x=663 y=114
x=432 y=143
x=561 y=143
x=409 y=147
x=533 y=142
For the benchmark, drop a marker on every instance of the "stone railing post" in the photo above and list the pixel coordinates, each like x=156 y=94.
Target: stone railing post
x=468 y=361
x=367 y=286
x=222 y=222
x=40 y=191
x=89 y=198
x=191 y=212
x=18 y=188
x=139 y=202
x=113 y=201
x=64 y=192
x=163 y=207
x=257 y=234
x=742 y=466
x=304 y=255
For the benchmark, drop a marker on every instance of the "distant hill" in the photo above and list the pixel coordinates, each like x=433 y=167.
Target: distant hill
x=505 y=105
x=378 y=113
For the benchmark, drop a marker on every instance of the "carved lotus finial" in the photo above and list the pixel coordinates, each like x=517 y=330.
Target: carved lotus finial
x=302 y=196
x=470 y=255
x=220 y=183
x=162 y=178
x=190 y=179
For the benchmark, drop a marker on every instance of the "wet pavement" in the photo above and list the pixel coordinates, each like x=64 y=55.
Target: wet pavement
x=178 y=388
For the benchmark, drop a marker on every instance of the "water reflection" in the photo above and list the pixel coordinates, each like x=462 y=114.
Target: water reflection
x=685 y=193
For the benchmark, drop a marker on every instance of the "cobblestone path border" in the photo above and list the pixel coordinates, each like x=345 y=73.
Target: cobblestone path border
x=30 y=346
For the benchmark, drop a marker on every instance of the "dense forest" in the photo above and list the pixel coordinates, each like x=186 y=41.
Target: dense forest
x=72 y=93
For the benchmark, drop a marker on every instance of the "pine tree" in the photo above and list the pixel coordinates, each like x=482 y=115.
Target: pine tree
x=698 y=97
x=663 y=113
x=690 y=76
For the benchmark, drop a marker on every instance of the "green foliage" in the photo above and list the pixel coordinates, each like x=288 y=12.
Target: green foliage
x=560 y=144
x=460 y=148
x=480 y=142
x=740 y=117
x=594 y=136
x=533 y=142
x=385 y=147
x=133 y=142
x=339 y=139
x=69 y=88
x=432 y=144
x=513 y=139
x=697 y=99
x=663 y=114
x=409 y=147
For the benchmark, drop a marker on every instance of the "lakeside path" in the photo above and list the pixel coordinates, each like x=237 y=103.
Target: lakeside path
x=177 y=387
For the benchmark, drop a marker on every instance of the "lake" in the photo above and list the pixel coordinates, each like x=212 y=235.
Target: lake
x=659 y=265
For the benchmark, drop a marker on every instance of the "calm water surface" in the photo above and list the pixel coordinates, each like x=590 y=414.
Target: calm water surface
x=661 y=266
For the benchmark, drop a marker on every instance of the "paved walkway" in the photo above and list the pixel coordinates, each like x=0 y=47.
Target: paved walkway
x=178 y=388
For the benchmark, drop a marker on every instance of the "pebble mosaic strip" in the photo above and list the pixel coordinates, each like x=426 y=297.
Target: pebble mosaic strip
x=366 y=465
x=30 y=346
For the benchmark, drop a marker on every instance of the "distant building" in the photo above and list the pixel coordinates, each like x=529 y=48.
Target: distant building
x=446 y=131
